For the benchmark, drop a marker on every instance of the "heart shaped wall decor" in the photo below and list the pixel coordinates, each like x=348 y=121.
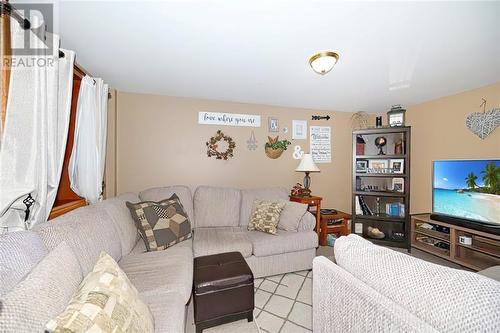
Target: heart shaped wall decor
x=483 y=123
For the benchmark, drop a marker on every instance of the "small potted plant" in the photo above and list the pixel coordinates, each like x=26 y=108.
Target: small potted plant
x=275 y=147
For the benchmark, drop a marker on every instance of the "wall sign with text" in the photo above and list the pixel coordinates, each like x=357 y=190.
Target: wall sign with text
x=228 y=119
x=321 y=143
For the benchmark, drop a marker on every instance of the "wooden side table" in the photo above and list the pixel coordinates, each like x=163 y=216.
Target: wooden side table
x=341 y=229
x=311 y=201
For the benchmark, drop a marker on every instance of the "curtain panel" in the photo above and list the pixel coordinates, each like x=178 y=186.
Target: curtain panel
x=87 y=161
x=35 y=132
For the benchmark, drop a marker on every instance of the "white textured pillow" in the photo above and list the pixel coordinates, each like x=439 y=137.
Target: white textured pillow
x=291 y=215
x=43 y=294
x=20 y=251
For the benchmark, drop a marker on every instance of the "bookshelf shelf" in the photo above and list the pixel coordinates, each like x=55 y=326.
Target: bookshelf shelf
x=379 y=157
x=374 y=194
x=390 y=175
x=380 y=193
x=381 y=217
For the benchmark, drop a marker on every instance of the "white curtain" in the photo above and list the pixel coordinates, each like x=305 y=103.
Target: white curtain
x=35 y=133
x=86 y=165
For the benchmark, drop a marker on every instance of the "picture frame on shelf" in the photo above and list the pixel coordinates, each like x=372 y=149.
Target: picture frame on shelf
x=397 y=165
x=361 y=166
x=398 y=185
x=378 y=166
x=273 y=125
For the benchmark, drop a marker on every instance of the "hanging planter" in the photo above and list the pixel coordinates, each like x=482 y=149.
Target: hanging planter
x=274 y=148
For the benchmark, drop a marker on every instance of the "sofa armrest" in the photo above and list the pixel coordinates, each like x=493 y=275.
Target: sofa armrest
x=342 y=303
x=307 y=222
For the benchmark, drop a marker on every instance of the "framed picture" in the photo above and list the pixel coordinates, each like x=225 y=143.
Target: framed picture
x=398 y=184
x=378 y=166
x=361 y=166
x=273 y=124
x=397 y=165
x=299 y=129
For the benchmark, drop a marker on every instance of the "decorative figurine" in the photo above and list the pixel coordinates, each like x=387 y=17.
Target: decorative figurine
x=380 y=142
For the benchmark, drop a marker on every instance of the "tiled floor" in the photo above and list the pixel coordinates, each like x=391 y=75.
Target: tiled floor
x=283 y=303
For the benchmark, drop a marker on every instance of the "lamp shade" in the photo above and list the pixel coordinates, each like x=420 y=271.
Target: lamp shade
x=307 y=164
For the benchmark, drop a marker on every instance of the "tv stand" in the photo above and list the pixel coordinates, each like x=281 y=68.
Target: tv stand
x=443 y=241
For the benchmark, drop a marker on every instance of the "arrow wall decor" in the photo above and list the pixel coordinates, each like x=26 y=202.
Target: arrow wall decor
x=320 y=117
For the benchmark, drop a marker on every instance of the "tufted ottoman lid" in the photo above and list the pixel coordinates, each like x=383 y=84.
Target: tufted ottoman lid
x=220 y=272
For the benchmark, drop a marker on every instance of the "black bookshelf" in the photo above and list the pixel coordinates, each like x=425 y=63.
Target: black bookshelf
x=374 y=184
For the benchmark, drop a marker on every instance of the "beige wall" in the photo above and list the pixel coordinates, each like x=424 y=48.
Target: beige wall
x=439 y=132
x=159 y=142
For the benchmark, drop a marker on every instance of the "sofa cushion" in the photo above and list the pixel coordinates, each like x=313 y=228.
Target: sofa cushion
x=19 y=253
x=43 y=294
x=448 y=299
x=265 y=216
x=283 y=242
x=291 y=215
x=248 y=196
x=168 y=309
x=168 y=270
x=307 y=222
x=87 y=230
x=161 y=193
x=140 y=247
x=216 y=207
x=209 y=241
x=162 y=224
x=106 y=301
x=120 y=215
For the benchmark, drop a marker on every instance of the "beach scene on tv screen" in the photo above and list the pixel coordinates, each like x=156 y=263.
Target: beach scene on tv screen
x=468 y=189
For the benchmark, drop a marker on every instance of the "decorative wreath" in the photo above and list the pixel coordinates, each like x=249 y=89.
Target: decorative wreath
x=212 y=146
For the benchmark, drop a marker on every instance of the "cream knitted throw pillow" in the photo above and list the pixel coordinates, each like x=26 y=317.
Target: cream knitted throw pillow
x=105 y=302
x=265 y=216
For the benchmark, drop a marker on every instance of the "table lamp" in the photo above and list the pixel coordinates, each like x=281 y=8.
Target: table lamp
x=307 y=165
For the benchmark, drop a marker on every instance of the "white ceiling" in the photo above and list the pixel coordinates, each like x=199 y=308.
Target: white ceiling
x=256 y=51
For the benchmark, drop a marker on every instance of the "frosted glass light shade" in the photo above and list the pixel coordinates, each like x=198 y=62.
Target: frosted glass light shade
x=323 y=62
x=307 y=164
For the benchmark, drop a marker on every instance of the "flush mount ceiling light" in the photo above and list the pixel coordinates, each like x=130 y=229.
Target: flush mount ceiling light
x=323 y=62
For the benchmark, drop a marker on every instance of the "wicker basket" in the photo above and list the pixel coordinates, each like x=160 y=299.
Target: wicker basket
x=274 y=153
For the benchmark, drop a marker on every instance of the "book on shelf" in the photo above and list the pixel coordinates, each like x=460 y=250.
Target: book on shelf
x=363 y=208
x=359 y=211
x=395 y=209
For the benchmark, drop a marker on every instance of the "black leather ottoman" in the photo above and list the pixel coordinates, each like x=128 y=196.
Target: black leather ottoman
x=223 y=290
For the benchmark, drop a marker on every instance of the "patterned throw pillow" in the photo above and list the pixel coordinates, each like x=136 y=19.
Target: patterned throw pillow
x=161 y=224
x=106 y=301
x=265 y=216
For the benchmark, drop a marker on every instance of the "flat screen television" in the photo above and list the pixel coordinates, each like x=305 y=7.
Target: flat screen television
x=467 y=193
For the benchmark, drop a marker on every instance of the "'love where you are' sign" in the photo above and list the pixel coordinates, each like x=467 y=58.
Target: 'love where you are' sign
x=228 y=119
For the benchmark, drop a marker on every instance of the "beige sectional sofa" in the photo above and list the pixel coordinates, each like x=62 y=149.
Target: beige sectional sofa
x=164 y=279
x=375 y=289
